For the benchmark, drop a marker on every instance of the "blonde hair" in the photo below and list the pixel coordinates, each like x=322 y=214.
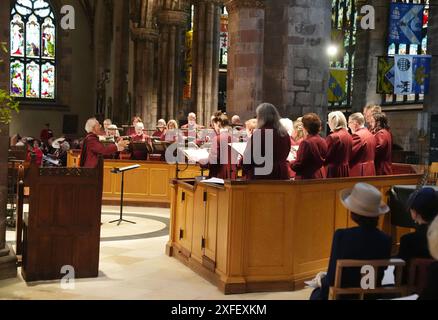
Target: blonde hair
x=358 y=117
x=175 y=124
x=432 y=236
x=337 y=121
x=251 y=124
x=299 y=131
x=374 y=108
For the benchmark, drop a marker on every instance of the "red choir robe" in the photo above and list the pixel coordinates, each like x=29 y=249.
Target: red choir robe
x=220 y=164
x=339 y=145
x=383 y=160
x=310 y=158
x=92 y=148
x=363 y=154
x=160 y=135
x=38 y=156
x=138 y=154
x=281 y=149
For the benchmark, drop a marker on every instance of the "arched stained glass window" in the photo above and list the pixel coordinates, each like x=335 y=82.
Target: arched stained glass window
x=33 y=50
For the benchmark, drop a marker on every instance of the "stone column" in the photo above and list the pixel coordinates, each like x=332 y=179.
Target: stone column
x=306 y=64
x=173 y=20
x=369 y=45
x=8 y=260
x=245 y=56
x=144 y=33
x=119 y=63
x=206 y=38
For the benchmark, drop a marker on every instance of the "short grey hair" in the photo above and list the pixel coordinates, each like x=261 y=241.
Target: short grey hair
x=192 y=115
x=337 y=121
x=358 y=117
x=90 y=124
x=432 y=236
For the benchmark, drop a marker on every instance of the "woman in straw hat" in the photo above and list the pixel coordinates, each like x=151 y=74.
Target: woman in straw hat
x=364 y=242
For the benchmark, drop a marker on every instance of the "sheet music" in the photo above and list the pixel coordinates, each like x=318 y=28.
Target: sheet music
x=293 y=154
x=240 y=147
x=196 y=155
x=214 y=180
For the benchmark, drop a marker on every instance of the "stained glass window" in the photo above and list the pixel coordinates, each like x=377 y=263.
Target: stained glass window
x=224 y=38
x=33 y=50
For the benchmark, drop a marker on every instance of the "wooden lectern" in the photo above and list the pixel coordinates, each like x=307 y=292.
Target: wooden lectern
x=62 y=227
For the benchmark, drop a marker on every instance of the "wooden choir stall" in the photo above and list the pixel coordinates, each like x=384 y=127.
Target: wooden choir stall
x=252 y=236
x=62 y=226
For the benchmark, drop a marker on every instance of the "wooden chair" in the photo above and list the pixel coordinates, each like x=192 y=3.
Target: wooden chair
x=418 y=275
x=398 y=289
x=433 y=174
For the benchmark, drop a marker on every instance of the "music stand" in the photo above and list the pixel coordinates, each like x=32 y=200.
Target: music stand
x=122 y=171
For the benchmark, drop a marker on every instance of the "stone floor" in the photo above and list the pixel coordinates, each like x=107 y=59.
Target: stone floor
x=133 y=266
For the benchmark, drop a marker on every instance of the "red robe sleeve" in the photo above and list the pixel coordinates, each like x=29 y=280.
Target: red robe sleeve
x=299 y=164
x=357 y=150
x=96 y=147
x=332 y=143
x=381 y=145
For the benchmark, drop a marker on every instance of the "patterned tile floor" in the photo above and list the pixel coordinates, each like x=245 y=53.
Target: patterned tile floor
x=133 y=266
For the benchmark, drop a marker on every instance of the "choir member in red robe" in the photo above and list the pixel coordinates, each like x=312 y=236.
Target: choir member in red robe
x=339 y=145
x=312 y=152
x=364 y=148
x=137 y=137
x=160 y=134
x=265 y=157
x=222 y=161
x=298 y=133
x=34 y=150
x=131 y=130
x=92 y=148
x=383 y=136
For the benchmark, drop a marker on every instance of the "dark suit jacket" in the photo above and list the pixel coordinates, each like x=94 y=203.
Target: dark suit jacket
x=431 y=291
x=357 y=244
x=415 y=245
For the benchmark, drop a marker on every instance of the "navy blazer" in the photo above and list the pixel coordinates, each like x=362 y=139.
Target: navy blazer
x=431 y=291
x=359 y=243
x=415 y=245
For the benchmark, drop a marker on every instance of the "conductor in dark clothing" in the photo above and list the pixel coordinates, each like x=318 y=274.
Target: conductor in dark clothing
x=92 y=148
x=364 y=242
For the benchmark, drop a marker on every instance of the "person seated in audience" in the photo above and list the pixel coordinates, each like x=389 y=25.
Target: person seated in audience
x=312 y=152
x=298 y=135
x=364 y=148
x=431 y=290
x=364 y=242
x=220 y=162
x=383 y=136
x=423 y=206
x=160 y=133
x=270 y=134
x=368 y=113
x=339 y=145
x=131 y=130
x=92 y=148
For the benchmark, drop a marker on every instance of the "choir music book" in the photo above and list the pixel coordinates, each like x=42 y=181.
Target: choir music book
x=196 y=155
x=240 y=147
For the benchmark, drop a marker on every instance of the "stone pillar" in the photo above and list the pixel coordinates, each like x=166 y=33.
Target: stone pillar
x=119 y=67
x=144 y=33
x=369 y=45
x=206 y=38
x=173 y=21
x=8 y=260
x=245 y=56
x=306 y=64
